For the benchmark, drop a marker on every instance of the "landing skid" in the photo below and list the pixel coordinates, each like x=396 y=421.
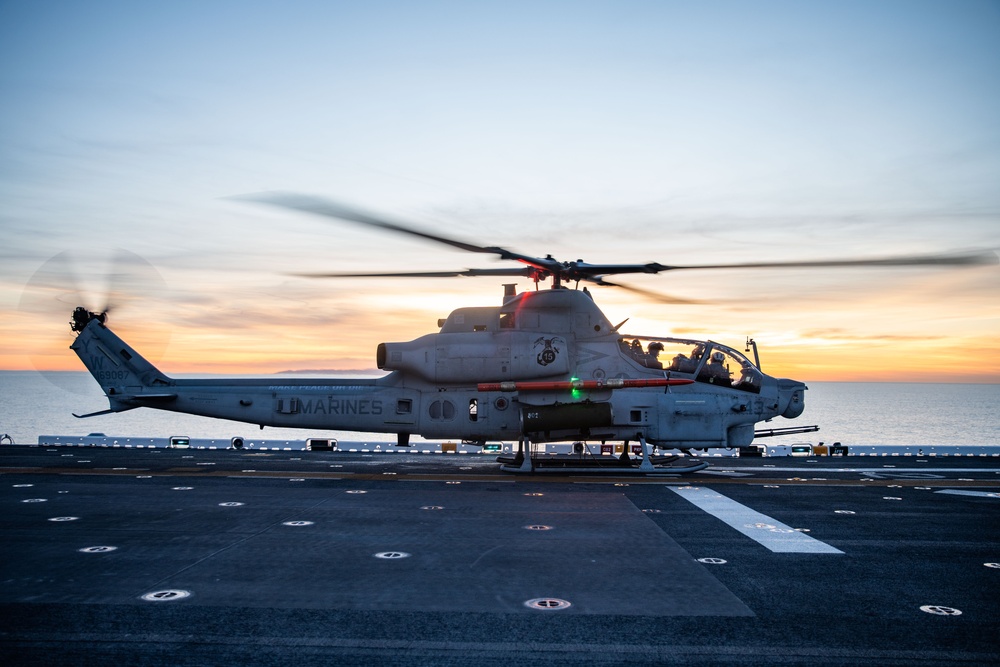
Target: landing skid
x=527 y=463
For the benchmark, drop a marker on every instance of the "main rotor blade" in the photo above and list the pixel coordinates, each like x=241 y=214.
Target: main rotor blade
x=424 y=274
x=655 y=296
x=973 y=258
x=330 y=209
x=581 y=268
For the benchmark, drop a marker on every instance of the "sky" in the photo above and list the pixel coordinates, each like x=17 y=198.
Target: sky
x=627 y=131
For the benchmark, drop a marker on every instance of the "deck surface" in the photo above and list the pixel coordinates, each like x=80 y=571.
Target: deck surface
x=191 y=557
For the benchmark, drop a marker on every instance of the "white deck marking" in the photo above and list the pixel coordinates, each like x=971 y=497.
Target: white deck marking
x=772 y=534
x=726 y=473
x=980 y=494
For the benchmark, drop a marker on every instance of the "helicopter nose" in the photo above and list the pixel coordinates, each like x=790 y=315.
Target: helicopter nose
x=791 y=397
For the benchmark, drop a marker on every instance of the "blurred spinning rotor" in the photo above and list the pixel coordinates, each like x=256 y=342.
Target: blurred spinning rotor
x=576 y=271
x=104 y=284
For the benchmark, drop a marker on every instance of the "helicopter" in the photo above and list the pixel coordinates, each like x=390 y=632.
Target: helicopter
x=544 y=366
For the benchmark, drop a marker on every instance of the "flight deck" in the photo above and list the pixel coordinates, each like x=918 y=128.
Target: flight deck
x=187 y=556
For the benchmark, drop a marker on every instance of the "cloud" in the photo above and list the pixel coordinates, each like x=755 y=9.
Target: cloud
x=850 y=337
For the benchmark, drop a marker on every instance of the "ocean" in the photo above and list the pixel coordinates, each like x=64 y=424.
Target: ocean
x=853 y=413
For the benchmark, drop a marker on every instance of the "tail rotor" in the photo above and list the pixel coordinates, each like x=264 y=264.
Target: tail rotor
x=84 y=287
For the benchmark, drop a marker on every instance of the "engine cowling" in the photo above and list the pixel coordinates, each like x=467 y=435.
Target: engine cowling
x=478 y=357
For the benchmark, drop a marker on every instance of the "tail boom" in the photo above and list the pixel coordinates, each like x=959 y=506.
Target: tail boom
x=130 y=381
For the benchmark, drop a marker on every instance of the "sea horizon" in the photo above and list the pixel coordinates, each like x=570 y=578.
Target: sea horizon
x=869 y=413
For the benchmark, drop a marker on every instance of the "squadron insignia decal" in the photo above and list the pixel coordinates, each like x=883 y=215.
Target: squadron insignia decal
x=548 y=349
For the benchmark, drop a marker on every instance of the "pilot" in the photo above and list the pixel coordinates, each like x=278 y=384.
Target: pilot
x=716 y=368
x=684 y=364
x=653 y=354
x=749 y=378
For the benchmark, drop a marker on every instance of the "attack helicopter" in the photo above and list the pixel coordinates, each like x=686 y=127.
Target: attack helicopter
x=544 y=366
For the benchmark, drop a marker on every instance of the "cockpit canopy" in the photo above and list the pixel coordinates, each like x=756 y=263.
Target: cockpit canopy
x=706 y=361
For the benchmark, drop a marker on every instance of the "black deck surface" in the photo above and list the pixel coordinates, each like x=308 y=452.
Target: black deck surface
x=259 y=558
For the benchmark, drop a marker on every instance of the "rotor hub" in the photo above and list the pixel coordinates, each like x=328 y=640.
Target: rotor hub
x=82 y=317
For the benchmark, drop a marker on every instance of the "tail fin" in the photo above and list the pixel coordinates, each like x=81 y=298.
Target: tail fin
x=128 y=380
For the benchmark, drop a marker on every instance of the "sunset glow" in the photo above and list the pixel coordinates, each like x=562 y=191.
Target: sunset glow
x=680 y=133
